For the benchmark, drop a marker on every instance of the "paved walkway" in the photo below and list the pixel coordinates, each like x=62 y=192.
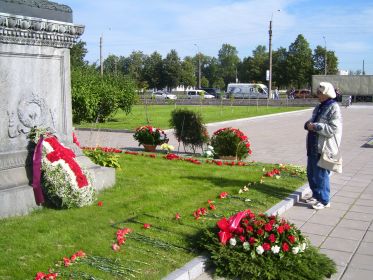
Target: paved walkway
x=345 y=231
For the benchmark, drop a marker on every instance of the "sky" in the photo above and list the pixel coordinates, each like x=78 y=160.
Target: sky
x=192 y=26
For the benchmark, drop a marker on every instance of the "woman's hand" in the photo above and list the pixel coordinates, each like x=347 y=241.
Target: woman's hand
x=311 y=126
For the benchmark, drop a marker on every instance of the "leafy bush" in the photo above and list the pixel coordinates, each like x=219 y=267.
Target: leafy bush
x=103 y=158
x=96 y=98
x=149 y=135
x=230 y=142
x=248 y=246
x=189 y=128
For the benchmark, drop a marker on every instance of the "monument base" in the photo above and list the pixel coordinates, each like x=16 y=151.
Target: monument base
x=20 y=200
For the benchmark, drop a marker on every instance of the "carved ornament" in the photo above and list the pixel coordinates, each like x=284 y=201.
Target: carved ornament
x=38 y=32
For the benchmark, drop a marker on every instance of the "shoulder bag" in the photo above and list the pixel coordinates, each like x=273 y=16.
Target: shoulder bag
x=329 y=161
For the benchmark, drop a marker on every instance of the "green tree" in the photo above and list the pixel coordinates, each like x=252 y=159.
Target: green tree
x=95 y=98
x=188 y=77
x=219 y=83
x=319 y=61
x=204 y=82
x=258 y=65
x=172 y=69
x=279 y=75
x=111 y=64
x=213 y=73
x=228 y=61
x=133 y=66
x=77 y=55
x=153 y=69
x=300 y=63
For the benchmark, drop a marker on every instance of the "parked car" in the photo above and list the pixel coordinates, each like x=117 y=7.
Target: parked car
x=198 y=93
x=163 y=95
x=213 y=91
x=303 y=93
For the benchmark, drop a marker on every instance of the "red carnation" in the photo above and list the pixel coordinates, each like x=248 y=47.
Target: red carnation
x=285 y=247
x=280 y=229
x=266 y=246
x=268 y=227
x=291 y=238
x=272 y=238
x=252 y=240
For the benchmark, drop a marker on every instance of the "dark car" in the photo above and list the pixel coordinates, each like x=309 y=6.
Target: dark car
x=213 y=91
x=303 y=93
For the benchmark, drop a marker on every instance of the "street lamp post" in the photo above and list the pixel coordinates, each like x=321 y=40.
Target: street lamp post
x=270 y=58
x=199 y=66
x=101 y=59
x=325 y=58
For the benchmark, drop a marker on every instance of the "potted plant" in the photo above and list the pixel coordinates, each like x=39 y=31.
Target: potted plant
x=150 y=137
x=230 y=143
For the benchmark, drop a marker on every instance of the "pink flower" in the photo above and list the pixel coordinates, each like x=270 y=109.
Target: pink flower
x=223 y=195
x=147 y=226
x=39 y=276
x=66 y=261
x=177 y=216
x=115 y=247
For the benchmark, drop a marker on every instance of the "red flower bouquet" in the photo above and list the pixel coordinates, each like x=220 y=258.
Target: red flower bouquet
x=230 y=142
x=261 y=234
x=149 y=135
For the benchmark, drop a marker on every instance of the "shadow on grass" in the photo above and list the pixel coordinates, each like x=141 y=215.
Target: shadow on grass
x=267 y=190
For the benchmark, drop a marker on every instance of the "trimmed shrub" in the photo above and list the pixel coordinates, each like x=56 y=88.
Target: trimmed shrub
x=189 y=128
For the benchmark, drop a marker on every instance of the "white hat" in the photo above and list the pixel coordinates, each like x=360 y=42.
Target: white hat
x=326 y=89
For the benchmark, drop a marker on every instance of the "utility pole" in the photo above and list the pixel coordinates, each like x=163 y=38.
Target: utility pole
x=325 y=58
x=270 y=58
x=101 y=61
x=199 y=67
x=363 y=68
x=270 y=61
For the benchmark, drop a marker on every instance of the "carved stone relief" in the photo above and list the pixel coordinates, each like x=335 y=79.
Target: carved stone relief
x=31 y=111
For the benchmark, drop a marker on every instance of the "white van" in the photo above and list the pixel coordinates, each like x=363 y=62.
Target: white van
x=247 y=91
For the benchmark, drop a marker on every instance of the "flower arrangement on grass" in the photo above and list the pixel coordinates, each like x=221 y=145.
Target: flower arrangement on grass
x=64 y=182
x=230 y=142
x=148 y=135
x=251 y=246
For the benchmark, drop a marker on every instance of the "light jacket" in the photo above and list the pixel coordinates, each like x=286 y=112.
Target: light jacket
x=328 y=125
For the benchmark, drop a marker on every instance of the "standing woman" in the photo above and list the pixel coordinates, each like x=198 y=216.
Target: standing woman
x=324 y=132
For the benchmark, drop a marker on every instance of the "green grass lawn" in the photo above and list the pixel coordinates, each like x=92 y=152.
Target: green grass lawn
x=147 y=190
x=159 y=115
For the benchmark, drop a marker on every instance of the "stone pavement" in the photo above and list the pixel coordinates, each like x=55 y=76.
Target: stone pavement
x=345 y=231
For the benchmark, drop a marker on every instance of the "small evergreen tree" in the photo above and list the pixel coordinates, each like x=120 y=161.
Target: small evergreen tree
x=189 y=128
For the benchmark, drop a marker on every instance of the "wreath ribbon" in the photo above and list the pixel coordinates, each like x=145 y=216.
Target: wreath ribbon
x=36 y=170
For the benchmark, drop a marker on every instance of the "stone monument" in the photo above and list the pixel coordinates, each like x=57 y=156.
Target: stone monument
x=35 y=41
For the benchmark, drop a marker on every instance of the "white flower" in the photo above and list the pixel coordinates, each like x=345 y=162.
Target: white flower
x=247 y=200
x=304 y=246
x=295 y=250
x=275 y=249
x=259 y=250
x=240 y=191
x=233 y=241
x=211 y=148
x=245 y=189
x=208 y=153
x=246 y=245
